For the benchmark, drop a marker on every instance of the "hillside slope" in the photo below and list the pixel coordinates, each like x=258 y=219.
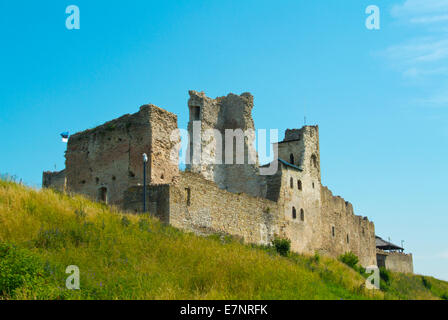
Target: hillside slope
x=136 y=257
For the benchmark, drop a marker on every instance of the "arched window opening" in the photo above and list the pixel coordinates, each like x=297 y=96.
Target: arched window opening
x=294 y=213
x=348 y=239
x=332 y=231
x=302 y=215
x=291 y=182
x=102 y=194
x=299 y=185
x=291 y=158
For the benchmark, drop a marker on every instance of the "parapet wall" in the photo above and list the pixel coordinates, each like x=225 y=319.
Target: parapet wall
x=343 y=231
x=199 y=205
x=395 y=261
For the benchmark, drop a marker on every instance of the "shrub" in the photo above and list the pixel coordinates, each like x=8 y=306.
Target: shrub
x=350 y=259
x=18 y=268
x=444 y=296
x=385 y=275
x=426 y=283
x=282 y=246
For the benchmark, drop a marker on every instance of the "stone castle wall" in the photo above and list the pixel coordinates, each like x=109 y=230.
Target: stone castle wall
x=195 y=204
x=217 y=198
x=200 y=205
x=157 y=200
x=351 y=232
x=395 y=261
x=56 y=180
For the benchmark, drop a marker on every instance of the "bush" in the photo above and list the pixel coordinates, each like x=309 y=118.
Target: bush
x=444 y=296
x=282 y=246
x=18 y=268
x=426 y=283
x=350 y=259
x=385 y=275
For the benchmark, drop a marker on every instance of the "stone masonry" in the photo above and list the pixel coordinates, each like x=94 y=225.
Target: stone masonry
x=105 y=163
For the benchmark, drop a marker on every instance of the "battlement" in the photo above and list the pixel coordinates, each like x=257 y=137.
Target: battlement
x=395 y=261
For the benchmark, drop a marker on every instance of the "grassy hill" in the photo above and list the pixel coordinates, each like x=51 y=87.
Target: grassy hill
x=136 y=257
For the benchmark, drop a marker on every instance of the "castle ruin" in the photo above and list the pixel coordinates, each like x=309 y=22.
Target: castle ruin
x=105 y=164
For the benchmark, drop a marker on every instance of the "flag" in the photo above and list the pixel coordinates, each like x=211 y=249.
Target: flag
x=64 y=136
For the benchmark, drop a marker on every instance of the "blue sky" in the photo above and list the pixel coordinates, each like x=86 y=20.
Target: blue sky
x=380 y=97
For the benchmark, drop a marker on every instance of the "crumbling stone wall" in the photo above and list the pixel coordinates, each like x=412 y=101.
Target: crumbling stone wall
x=351 y=232
x=157 y=200
x=199 y=205
x=230 y=112
x=105 y=161
x=395 y=261
x=56 y=180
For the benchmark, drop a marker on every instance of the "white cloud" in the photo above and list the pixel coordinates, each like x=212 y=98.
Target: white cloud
x=439 y=99
x=422 y=56
x=420 y=50
x=443 y=255
x=422 y=11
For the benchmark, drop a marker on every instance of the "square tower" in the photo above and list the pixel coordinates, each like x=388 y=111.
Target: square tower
x=221 y=142
x=105 y=161
x=301 y=148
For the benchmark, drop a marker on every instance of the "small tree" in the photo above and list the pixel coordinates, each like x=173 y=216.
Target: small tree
x=282 y=246
x=350 y=259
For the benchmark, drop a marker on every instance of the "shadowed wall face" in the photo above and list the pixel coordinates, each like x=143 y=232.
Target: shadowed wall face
x=55 y=180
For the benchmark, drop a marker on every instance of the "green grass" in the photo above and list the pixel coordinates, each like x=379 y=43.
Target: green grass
x=137 y=257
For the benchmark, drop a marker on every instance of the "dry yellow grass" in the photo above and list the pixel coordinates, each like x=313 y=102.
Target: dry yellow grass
x=124 y=256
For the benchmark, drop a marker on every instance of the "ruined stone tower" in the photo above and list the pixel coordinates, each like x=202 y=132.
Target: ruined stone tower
x=104 y=161
x=221 y=142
